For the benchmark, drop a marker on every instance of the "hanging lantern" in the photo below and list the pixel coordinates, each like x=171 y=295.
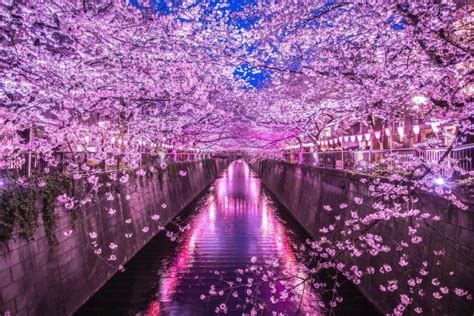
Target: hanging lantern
x=340 y=139
x=359 y=137
x=377 y=134
x=318 y=142
x=367 y=136
x=353 y=138
x=330 y=141
x=400 y=131
x=435 y=127
x=416 y=129
x=346 y=138
x=388 y=132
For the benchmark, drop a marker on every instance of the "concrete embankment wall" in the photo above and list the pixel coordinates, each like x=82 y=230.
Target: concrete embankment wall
x=304 y=190
x=39 y=279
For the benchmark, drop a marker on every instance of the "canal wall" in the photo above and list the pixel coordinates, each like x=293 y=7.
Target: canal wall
x=304 y=190
x=39 y=279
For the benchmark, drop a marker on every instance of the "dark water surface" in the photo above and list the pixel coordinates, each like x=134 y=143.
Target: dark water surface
x=232 y=222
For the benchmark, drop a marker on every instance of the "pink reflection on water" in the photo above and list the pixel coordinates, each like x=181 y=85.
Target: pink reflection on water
x=236 y=222
x=184 y=259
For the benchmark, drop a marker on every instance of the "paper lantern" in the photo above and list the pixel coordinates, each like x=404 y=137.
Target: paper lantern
x=359 y=137
x=367 y=136
x=400 y=131
x=435 y=127
x=377 y=134
x=416 y=129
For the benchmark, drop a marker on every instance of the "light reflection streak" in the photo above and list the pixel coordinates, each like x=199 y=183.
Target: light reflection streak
x=185 y=257
x=237 y=201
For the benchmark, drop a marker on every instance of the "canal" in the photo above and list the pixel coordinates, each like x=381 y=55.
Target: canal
x=235 y=220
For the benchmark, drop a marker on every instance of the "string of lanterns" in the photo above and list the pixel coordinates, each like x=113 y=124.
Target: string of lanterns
x=435 y=126
x=368 y=136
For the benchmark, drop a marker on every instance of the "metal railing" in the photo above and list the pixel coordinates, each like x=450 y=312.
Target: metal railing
x=342 y=159
x=32 y=164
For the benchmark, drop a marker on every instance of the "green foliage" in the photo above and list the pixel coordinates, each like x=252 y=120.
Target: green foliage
x=172 y=170
x=56 y=185
x=8 y=215
x=160 y=177
x=18 y=205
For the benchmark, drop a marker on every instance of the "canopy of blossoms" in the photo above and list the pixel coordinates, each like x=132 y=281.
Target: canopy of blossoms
x=223 y=74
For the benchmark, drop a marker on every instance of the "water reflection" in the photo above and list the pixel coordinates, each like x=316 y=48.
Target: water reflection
x=235 y=223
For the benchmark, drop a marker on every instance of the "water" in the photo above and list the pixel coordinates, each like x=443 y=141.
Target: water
x=232 y=222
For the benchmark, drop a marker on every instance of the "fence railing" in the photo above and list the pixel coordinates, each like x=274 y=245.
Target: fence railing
x=32 y=164
x=341 y=159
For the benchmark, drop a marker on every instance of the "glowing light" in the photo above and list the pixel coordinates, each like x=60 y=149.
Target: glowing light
x=346 y=138
x=439 y=181
x=419 y=99
x=359 y=137
x=353 y=138
x=377 y=134
x=416 y=129
x=266 y=225
x=388 y=132
x=435 y=126
x=340 y=139
x=400 y=131
x=212 y=209
x=367 y=136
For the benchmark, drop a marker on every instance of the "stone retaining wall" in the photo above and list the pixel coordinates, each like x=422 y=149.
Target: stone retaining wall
x=304 y=190
x=38 y=279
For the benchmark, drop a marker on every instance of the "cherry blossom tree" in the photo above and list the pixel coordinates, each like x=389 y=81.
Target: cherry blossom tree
x=90 y=87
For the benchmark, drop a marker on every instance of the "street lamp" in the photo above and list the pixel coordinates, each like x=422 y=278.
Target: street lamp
x=435 y=127
x=416 y=129
x=401 y=131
